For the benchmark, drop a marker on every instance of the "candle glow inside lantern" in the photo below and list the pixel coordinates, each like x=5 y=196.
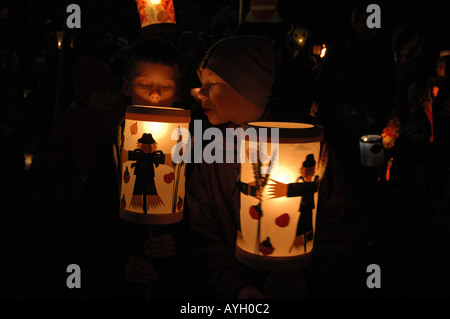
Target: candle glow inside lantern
x=278 y=205
x=153 y=183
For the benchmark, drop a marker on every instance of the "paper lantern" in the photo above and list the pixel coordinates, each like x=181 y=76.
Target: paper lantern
x=371 y=150
x=28 y=160
x=263 y=11
x=153 y=181
x=320 y=50
x=155 y=12
x=59 y=39
x=278 y=204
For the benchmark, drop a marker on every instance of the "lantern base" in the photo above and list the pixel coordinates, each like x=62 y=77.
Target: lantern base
x=273 y=263
x=151 y=30
x=151 y=219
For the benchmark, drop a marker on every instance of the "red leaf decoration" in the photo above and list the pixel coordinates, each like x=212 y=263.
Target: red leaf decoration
x=168 y=178
x=134 y=128
x=282 y=220
x=254 y=213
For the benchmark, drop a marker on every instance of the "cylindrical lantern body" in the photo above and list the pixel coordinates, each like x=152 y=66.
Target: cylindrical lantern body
x=278 y=212
x=371 y=150
x=153 y=173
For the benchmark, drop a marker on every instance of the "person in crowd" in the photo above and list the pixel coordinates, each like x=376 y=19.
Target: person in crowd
x=355 y=92
x=413 y=171
x=85 y=182
x=237 y=74
x=441 y=123
x=438 y=78
x=152 y=76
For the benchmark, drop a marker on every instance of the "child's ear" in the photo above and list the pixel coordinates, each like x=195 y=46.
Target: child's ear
x=126 y=86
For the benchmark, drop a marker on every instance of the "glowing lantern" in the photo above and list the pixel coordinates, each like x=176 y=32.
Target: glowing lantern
x=444 y=53
x=156 y=13
x=279 y=183
x=28 y=160
x=299 y=35
x=371 y=150
x=323 y=51
x=59 y=39
x=153 y=183
x=320 y=50
x=263 y=11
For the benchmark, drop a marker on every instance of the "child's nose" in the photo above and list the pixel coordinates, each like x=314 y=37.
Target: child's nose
x=155 y=94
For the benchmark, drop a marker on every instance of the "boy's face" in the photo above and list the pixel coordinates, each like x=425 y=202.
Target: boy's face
x=222 y=103
x=151 y=84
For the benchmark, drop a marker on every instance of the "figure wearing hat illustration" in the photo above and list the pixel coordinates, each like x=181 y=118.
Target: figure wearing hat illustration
x=146 y=155
x=306 y=188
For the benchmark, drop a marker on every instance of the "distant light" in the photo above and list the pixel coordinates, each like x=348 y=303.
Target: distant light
x=435 y=91
x=323 y=51
x=28 y=160
x=59 y=39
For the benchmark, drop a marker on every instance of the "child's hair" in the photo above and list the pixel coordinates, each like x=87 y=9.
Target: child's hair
x=152 y=50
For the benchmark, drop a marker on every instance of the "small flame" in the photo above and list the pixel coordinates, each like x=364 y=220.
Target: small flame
x=28 y=160
x=323 y=51
x=59 y=39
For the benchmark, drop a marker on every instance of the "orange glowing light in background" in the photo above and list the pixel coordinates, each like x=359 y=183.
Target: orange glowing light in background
x=323 y=51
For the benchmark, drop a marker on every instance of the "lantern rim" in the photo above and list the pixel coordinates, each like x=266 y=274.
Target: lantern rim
x=371 y=138
x=151 y=219
x=291 y=132
x=281 y=125
x=157 y=114
x=155 y=107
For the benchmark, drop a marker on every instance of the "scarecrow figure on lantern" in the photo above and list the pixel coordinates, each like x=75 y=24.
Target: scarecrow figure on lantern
x=254 y=189
x=306 y=188
x=145 y=156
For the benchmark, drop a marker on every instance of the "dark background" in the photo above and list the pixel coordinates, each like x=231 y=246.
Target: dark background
x=30 y=234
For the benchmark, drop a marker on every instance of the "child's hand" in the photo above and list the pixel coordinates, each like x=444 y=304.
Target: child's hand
x=140 y=270
x=160 y=246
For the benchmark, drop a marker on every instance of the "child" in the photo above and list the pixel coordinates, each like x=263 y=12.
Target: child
x=152 y=77
x=440 y=74
x=237 y=75
x=413 y=170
